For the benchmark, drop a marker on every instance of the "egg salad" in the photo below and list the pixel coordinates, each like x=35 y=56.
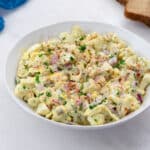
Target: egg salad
x=82 y=78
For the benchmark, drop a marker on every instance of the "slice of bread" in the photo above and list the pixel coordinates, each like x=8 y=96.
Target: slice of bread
x=123 y=1
x=138 y=10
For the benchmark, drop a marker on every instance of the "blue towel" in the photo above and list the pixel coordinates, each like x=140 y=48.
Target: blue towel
x=1 y=23
x=9 y=4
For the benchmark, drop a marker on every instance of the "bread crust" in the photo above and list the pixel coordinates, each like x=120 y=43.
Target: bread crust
x=137 y=17
x=135 y=12
x=123 y=1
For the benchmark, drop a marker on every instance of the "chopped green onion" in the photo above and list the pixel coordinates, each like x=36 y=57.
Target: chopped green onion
x=49 y=50
x=95 y=120
x=82 y=48
x=45 y=63
x=51 y=71
x=61 y=98
x=81 y=93
x=111 y=56
x=48 y=94
x=72 y=58
x=24 y=87
x=59 y=68
x=103 y=100
x=37 y=78
x=40 y=94
x=81 y=106
x=118 y=93
x=82 y=38
x=120 y=63
x=117 y=65
x=92 y=106
x=17 y=81
x=26 y=67
x=40 y=55
x=65 y=102
x=81 y=87
x=86 y=78
x=85 y=65
x=75 y=111
x=63 y=38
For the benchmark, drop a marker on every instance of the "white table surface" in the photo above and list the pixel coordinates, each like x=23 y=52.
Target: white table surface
x=19 y=130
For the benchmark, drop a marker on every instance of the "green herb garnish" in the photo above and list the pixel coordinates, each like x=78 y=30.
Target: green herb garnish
x=48 y=94
x=81 y=93
x=75 y=111
x=63 y=38
x=82 y=38
x=40 y=94
x=92 y=106
x=17 y=81
x=82 y=48
x=86 y=78
x=37 y=78
x=111 y=56
x=103 y=100
x=71 y=58
x=81 y=106
x=95 y=120
x=49 y=50
x=46 y=63
x=59 y=68
x=81 y=87
x=120 y=63
x=51 y=71
x=26 y=67
x=118 y=93
x=24 y=87
x=65 y=102
x=61 y=98
x=40 y=55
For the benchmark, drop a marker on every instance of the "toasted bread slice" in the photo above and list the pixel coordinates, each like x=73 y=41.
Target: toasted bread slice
x=123 y=1
x=138 y=10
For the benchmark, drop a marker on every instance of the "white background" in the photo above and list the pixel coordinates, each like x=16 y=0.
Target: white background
x=19 y=130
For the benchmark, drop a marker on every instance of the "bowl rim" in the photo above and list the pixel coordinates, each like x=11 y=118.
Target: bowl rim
x=59 y=124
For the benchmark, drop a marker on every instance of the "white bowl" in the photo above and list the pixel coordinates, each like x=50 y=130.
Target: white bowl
x=139 y=45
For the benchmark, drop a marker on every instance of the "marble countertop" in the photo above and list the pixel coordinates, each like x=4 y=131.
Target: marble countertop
x=19 y=130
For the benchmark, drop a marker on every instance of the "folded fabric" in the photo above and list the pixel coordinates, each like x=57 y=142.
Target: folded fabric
x=10 y=4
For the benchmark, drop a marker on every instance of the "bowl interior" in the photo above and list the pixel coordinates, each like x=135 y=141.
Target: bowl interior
x=141 y=47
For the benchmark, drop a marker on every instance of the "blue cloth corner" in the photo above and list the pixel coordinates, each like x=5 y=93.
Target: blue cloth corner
x=10 y=4
x=1 y=23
